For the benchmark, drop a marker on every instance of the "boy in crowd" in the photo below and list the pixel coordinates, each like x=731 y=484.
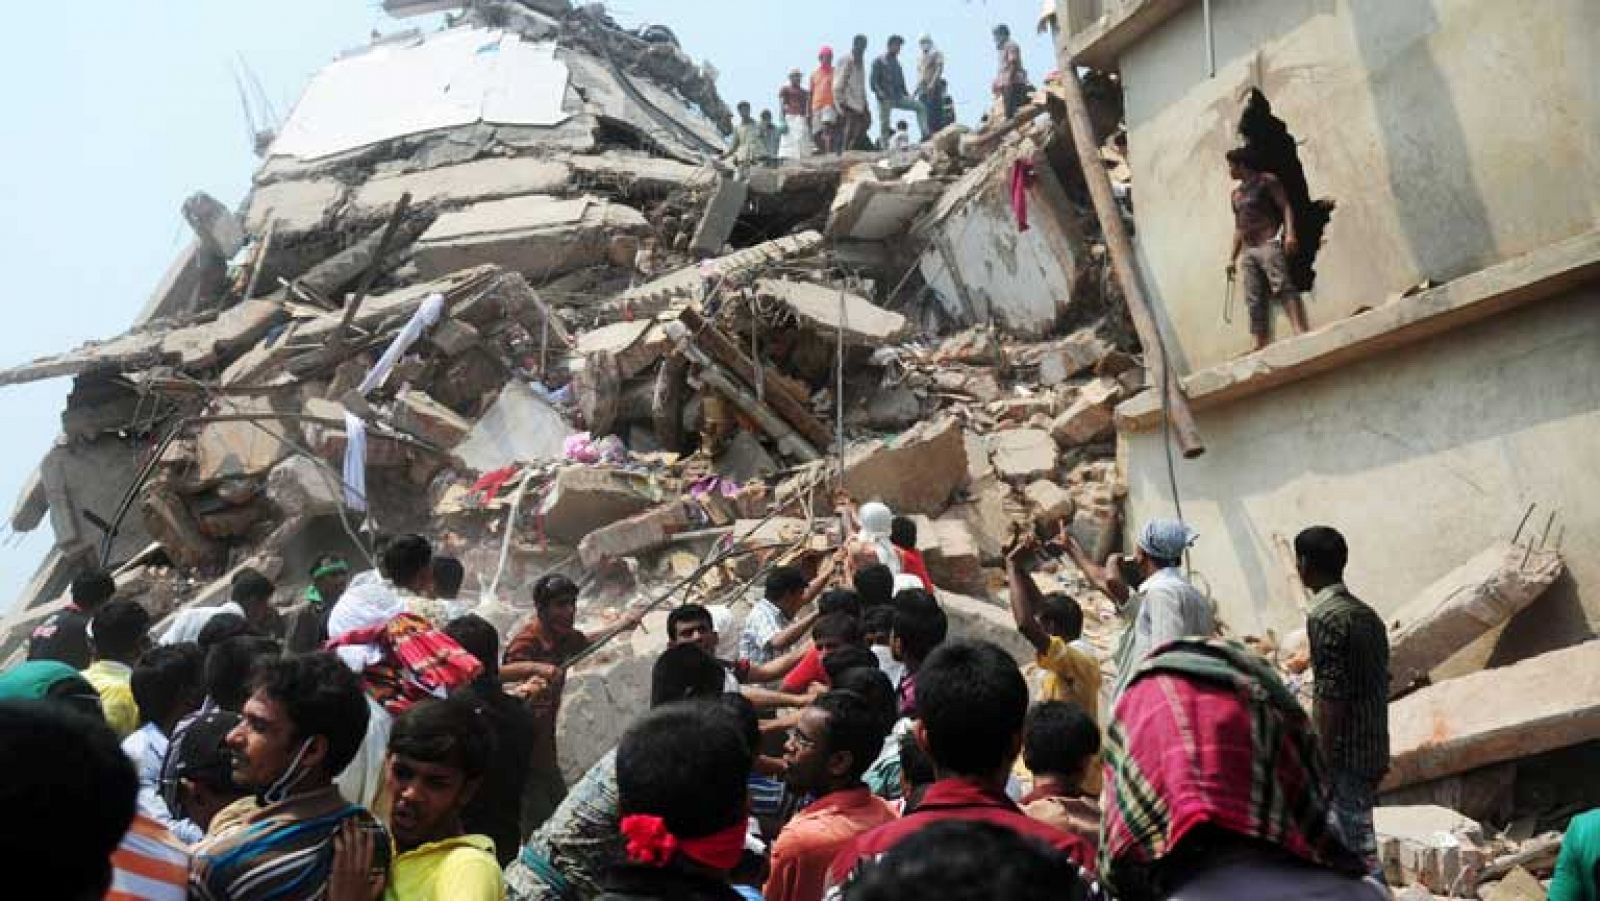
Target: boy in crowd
x=1060 y=742
x=64 y=635
x=919 y=626
x=118 y=636
x=495 y=809
x=166 y=687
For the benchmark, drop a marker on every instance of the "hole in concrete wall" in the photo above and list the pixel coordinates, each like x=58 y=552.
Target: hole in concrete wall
x=1269 y=138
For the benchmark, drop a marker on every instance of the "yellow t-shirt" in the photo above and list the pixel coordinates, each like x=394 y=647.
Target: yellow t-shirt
x=463 y=868
x=113 y=681
x=1072 y=674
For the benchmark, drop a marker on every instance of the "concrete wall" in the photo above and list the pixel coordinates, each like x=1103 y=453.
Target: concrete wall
x=1421 y=457
x=1452 y=133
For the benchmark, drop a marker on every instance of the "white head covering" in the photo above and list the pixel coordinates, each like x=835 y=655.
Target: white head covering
x=907 y=581
x=876 y=519
x=1166 y=539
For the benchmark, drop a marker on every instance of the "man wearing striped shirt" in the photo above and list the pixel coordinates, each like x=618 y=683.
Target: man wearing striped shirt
x=1350 y=655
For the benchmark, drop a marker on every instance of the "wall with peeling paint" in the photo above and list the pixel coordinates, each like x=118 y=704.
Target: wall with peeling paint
x=1452 y=133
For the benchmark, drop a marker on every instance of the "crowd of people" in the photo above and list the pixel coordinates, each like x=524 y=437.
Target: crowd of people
x=378 y=739
x=831 y=111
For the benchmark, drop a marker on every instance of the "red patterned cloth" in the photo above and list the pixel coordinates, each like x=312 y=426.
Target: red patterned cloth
x=418 y=662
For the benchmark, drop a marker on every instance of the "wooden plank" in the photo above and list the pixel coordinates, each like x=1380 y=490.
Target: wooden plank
x=776 y=392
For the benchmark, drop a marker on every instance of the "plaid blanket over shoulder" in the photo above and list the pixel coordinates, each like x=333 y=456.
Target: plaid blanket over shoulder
x=1206 y=733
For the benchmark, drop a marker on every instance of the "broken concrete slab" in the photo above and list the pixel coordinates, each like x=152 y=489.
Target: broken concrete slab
x=494 y=178
x=888 y=409
x=215 y=225
x=978 y=462
x=635 y=534
x=732 y=270
x=1519 y=885
x=973 y=619
x=989 y=515
x=1535 y=705
x=867 y=209
x=743 y=459
x=1050 y=503
x=721 y=214
x=302 y=487
x=635 y=345
x=583 y=499
x=1022 y=455
x=244 y=449
x=635 y=174
x=955 y=562
x=420 y=415
x=519 y=427
x=31 y=504
x=1495 y=585
x=915 y=473
x=1429 y=845
x=1071 y=356
x=297 y=207
x=865 y=324
x=540 y=235
x=1090 y=415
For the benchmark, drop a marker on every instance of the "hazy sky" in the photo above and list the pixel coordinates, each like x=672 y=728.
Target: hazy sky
x=120 y=112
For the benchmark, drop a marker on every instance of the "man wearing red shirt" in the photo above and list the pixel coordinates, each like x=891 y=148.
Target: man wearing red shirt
x=971 y=703
x=903 y=535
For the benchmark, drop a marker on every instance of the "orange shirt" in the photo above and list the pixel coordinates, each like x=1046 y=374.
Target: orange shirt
x=809 y=842
x=821 y=89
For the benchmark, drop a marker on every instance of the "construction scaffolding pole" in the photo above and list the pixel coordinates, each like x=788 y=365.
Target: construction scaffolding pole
x=1123 y=264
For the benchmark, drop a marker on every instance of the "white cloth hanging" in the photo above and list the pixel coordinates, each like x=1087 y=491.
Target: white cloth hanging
x=424 y=318
x=355 y=462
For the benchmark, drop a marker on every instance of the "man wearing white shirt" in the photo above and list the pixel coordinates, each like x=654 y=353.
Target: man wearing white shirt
x=250 y=596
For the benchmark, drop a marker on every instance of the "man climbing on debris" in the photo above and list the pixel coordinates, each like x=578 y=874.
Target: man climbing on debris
x=771 y=629
x=824 y=110
x=536 y=660
x=889 y=87
x=850 y=90
x=1011 y=84
x=794 y=104
x=1261 y=212
x=1350 y=656
x=1164 y=607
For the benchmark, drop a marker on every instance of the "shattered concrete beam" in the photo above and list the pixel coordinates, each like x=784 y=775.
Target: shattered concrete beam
x=777 y=395
x=864 y=323
x=733 y=269
x=1540 y=704
x=1468 y=601
x=789 y=441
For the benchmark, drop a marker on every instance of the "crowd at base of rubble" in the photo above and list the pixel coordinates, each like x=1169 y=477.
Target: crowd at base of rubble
x=861 y=739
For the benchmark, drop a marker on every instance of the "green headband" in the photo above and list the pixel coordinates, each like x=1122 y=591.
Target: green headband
x=330 y=569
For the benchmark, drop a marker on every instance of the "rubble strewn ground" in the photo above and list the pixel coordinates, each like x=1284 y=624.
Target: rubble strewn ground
x=654 y=373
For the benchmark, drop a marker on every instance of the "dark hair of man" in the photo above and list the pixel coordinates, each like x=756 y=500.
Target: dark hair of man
x=1246 y=157
x=321 y=697
x=685 y=671
x=118 y=627
x=230 y=666
x=917 y=770
x=745 y=713
x=839 y=600
x=688 y=613
x=73 y=792
x=903 y=533
x=877 y=621
x=407 y=557
x=873 y=684
x=1323 y=550
x=250 y=589
x=478 y=637
x=849 y=657
x=874 y=585
x=919 y=623
x=853 y=727
x=221 y=627
x=552 y=586
x=896 y=39
x=1058 y=737
x=448 y=574
x=449 y=732
x=687 y=764
x=164 y=677
x=91 y=588
x=969 y=860
x=1061 y=615
x=841 y=627
x=783 y=581
x=972 y=700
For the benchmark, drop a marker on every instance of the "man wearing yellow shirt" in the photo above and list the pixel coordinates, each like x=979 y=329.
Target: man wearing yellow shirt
x=438 y=752
x=1053 y=624
x=118 y=635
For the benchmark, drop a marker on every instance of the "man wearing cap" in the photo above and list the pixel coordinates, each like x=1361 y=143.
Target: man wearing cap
x=794 y=104
x=1165 y=606
x=824 y=111
x=197 y=774
x=306 y=623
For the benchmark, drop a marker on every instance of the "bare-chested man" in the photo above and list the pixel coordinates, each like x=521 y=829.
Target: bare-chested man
x=1261 y=211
